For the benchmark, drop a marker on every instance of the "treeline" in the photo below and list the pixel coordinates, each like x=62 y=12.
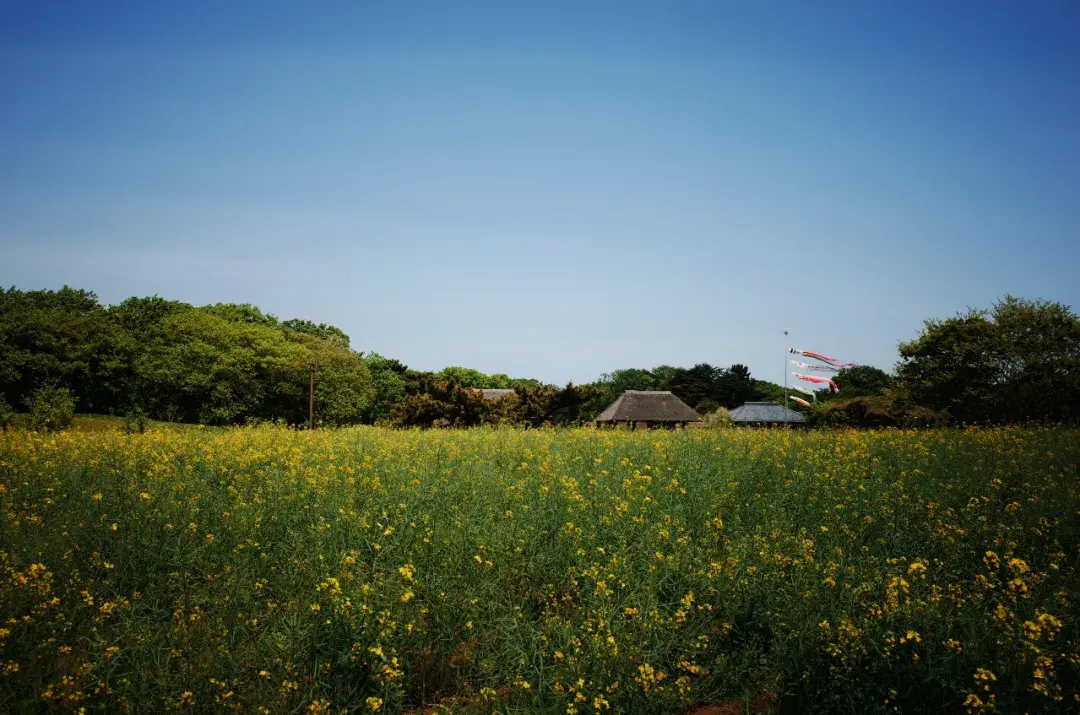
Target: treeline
x=452 y=396
x=1016 y=362
x=234 y=364
x=218 y=364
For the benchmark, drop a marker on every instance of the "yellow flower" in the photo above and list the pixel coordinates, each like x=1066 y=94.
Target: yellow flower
x=1018 y=566
x=374 y=704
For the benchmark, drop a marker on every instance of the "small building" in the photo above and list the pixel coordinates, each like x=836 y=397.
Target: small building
x=496 y=393
x=648 y=408
x=765 y=413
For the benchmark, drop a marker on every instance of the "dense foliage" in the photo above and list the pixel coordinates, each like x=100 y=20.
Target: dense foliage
x=1017 y=362
x=234 y=364
x=554 y=571
x=50 y=409
x=219 y=364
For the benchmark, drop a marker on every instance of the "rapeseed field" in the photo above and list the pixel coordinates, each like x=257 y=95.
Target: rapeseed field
x=562 y=571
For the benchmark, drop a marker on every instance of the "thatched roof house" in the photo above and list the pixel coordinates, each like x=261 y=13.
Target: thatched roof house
x=496 y=393
x=763 y=413
x=644 y=408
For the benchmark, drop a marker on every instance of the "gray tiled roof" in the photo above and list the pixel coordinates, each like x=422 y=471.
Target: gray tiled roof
x=648 y=406
x=765 y=412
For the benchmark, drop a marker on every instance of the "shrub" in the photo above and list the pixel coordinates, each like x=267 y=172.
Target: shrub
x=52 y=408
x=6 y=413
x=875 y=412
x=720 y=417
x=135 y=421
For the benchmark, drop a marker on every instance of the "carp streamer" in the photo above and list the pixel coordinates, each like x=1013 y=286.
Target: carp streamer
x=823 y=358
x=808 y=366
x=817 y=380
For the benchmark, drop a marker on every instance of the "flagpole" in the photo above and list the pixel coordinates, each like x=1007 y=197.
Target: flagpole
x=785 y=377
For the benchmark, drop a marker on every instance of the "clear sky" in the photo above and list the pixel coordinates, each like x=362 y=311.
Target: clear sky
x=550 y=189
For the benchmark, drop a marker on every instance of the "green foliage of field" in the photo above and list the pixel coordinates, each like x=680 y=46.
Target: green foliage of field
x=264 y=569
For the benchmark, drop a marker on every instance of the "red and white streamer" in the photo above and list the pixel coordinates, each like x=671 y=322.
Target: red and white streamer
x=817 y=380
x=823 y=358
x=808 y=366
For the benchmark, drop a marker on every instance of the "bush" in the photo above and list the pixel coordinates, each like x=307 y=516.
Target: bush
x=51 y=408
x=135 y=421
x=6 y=413
x=876 y=412
x=720 y=417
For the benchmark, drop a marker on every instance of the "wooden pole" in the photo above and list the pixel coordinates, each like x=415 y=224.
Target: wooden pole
x=311 y=396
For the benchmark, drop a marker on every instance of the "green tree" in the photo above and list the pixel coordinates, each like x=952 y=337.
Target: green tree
x=51 y=408
x=735 y=387
x=65 y=338
x=329 y=333
x=662 y=376
x=859 y=381
x=1039 y=360
x=951 y=367
x=500 y=380
x=344 y=389
x=698 y=385
x=1016 y=362
x=199 y=367
x=441 y=402
x=388 y=379
x=138 y=316
x=617 y=382
x=241 y=313
x=465 y=376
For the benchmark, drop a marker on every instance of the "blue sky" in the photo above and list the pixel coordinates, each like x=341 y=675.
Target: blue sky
x=551 y=189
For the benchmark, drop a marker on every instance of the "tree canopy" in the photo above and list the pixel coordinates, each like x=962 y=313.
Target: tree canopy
x=230 y=363
x=1018 y=361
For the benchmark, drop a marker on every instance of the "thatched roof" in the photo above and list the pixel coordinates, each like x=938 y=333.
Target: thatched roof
x=648 y=406
x=496 y=393
x=765 y=412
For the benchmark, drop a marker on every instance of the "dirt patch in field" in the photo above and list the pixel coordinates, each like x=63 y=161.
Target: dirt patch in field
x=734 y=706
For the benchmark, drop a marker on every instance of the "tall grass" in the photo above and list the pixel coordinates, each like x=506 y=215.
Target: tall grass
x=269 y=570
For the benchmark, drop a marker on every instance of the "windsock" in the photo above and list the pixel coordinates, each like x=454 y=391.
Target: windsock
x=799 y=389
x=808 y=366
x=817 y=380
x=801 y=401
x=823 y=358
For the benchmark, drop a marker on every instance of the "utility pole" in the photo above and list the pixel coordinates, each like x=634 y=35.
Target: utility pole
x=311 y=396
